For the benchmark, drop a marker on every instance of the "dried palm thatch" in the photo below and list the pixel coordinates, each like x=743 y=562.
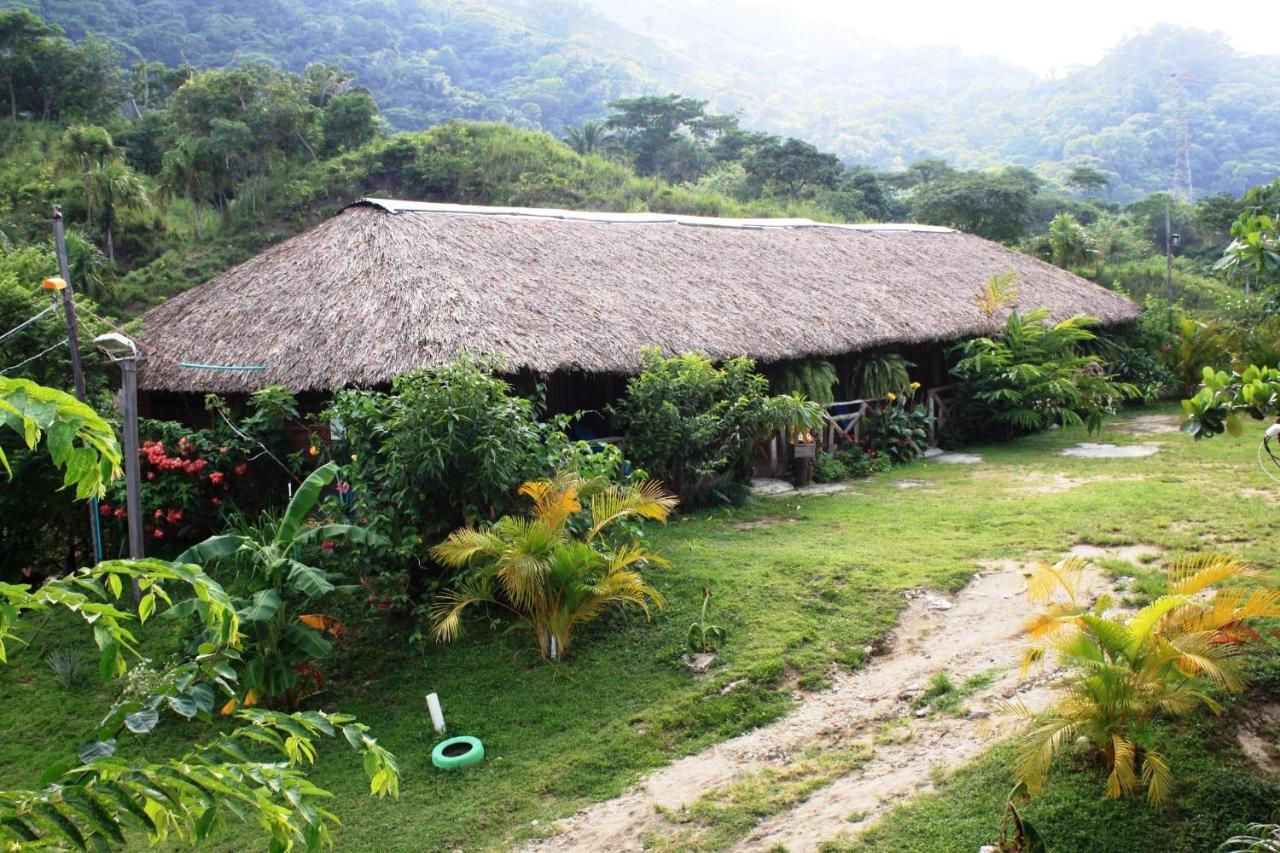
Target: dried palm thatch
x=386 y=287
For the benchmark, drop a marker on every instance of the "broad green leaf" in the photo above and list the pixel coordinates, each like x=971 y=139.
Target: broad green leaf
x=304 y=500
x=97 y=749
x=141 y=722
x=263 y=606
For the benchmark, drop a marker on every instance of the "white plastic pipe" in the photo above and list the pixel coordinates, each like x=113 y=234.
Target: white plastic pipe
x=437 y=715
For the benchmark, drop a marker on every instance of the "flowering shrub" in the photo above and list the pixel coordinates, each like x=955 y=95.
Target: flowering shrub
x=192 y=477
x=898 y=430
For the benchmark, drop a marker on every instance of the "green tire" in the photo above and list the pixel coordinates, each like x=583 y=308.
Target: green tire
x=457 y=752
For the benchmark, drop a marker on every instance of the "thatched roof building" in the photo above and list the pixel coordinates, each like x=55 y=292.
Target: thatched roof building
x=388 y=286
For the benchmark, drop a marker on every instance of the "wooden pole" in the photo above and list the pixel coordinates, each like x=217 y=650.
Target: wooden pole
x=73 y=343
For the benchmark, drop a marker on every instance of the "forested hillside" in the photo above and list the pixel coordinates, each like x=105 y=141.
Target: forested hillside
x=887 y=106
x=427 y=61
x=545 y=65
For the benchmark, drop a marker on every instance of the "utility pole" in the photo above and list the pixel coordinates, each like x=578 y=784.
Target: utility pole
x=73 y=343
x=1168 y=255
x=124 y=352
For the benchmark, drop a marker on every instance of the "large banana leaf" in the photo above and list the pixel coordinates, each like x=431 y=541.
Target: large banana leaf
x=212 y=549
x=308 y=580
x=304 y=500
x=349 y=532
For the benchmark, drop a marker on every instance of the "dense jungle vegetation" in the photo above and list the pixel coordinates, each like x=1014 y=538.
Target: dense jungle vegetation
x=542 y=65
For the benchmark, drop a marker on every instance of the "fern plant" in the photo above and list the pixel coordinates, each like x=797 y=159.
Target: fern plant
x=554 y=570
x=1126 y=674
x=1034 y=374
x=813 y=378
x=875 y=377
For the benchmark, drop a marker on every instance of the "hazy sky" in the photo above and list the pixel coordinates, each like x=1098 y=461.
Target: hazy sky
x=1037 y=35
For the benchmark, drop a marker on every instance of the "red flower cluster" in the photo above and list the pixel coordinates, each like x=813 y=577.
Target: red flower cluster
x=184 y=460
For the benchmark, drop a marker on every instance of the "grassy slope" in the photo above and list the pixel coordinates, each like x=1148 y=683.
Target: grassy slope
x=797 y=598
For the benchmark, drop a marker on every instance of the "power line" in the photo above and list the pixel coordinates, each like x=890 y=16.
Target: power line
x=34 y=357
x=27 y=322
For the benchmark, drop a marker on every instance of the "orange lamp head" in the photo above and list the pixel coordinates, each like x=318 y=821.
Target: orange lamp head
x=55 y=283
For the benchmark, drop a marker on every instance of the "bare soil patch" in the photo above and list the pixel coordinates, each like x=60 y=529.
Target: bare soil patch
x=1090 y=450
x=976 y=633
x=1056 y=482
x=1259 y=736
x=1139 y=555
x=1150 y=425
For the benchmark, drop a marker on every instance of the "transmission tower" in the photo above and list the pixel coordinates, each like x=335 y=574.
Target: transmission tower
x=1182 y=186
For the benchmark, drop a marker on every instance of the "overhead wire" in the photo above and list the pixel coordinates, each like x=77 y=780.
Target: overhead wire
x=27 y=322
x=27 y=361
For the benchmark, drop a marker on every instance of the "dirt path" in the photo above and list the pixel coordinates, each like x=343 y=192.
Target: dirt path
x=872 y=713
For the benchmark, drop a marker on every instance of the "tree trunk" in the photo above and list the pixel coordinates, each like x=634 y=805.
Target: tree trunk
x=111 y=245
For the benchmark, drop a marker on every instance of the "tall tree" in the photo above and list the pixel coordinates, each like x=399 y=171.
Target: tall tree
x=990 y=205
x=115 y=187
x=794 y=166
x=651 y=124
x=1087 y=179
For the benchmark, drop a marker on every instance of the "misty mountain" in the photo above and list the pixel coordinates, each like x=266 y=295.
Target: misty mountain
x=545 y=64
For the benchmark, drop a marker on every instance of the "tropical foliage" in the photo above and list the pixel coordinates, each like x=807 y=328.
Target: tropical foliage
x=1127 y=672
x=1034 y=374
x=555 y=569
x=694 y=425
x=95 y=797
x=284 y=636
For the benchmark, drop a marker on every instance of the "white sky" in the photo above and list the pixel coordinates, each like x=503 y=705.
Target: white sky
x=1041 y=36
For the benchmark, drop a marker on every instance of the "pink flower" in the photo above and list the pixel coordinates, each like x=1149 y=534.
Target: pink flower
x=327 y=544
x=216 y=478
x=159 y=534
x=241 y=469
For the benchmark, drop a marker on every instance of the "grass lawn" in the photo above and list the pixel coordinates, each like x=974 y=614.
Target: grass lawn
x=802 y=585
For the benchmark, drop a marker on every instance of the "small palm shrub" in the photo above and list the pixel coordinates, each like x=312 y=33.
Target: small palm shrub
x=1124 y=674
x=67 y=666
x=1033 y=375
x=555 y=569
x=1261 y=838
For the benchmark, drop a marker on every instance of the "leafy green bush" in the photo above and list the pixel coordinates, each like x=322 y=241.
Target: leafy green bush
x=694 y=425
x=447 y=446
x=812 y=378
x=1034 y=374
x=828 y=468
x=897 y=430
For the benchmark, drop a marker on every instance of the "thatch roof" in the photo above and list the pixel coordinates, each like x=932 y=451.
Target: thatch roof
x=385 y=287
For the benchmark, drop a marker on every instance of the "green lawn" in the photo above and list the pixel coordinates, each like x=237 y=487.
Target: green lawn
x=800 y=598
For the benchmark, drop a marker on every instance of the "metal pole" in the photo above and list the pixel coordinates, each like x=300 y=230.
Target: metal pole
x=73 y=343
x=133 y=477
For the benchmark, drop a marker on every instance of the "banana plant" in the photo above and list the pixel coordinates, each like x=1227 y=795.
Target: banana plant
x=284 y=635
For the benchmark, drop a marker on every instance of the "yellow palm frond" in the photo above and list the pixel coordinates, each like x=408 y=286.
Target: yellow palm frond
x=1046 y=580
x=467 y=544
x=1122 y=780
x=647 y=500
x=1191 y=574
x=1145 y=620
x=1158 y=778
x=554 y=500
x=1039 y=746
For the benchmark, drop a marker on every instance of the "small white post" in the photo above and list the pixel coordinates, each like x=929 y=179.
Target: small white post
x=437 y=715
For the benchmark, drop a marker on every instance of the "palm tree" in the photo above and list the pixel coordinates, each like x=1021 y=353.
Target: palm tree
x=115 y=187
x=1124 y=674
x=591 y=138
x=1068 y=241
x=553 y=570
x=90 y=270
x=84 y=147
